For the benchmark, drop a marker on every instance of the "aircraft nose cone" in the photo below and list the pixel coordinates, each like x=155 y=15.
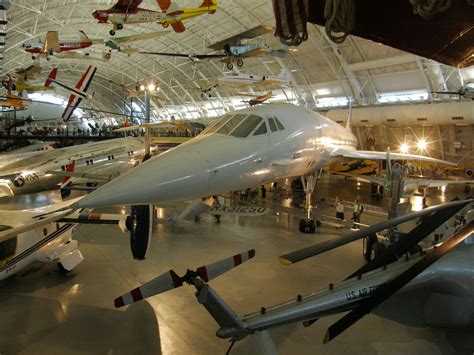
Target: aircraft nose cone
x=170 y=176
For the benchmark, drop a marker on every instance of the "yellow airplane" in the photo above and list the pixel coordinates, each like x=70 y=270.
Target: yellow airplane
x=19 y=83
x=14 y=102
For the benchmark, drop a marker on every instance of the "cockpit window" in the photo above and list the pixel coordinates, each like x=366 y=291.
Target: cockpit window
x=218 y=124
x=278 y=123
x=247 y=126
x=231 y=124
x=262 y=129
x=272 y=125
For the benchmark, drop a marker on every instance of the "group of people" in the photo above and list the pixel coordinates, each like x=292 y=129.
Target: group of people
x=357 y=211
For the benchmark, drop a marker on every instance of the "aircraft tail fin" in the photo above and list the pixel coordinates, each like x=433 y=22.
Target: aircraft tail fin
x=78 y=93
x=51 y=78
x=170 y=280
x=65 y=187
x=164 y=4
x=208 y=3
x=83 y=37
x=178 y=27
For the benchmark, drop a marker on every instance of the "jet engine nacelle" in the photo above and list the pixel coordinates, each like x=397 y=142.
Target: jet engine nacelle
x=140 y=225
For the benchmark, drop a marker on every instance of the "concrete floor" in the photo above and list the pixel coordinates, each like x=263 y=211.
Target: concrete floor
x=46 y=312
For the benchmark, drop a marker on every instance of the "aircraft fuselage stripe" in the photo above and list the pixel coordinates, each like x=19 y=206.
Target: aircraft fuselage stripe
x=36 y=246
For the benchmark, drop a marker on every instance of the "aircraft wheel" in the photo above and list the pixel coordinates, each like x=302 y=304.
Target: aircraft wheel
x=33 y=57
x=376 y=250
x=230 y=66
x=302 y=225
x=196 y=219
x=240 y=62
x=112 y=32
x=119 y=26
x=48 y=59
x=371 y=239
x=311 y=226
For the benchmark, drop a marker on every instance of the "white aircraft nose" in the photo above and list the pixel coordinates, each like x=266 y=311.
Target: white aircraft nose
x=174 y=175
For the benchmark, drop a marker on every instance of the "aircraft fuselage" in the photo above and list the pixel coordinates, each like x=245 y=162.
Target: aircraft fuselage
x=215 y=163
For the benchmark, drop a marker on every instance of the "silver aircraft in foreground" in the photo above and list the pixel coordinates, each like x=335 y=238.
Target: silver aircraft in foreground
x=242 y=149
x=416 y=289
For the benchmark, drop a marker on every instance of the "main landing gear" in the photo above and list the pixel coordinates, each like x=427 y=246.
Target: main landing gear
x=119 y=26
x=308 y=225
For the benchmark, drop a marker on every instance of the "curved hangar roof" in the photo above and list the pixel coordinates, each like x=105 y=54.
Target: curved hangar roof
x=323 y=74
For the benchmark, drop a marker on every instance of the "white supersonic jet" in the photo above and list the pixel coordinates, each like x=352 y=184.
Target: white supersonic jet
x=242 y=149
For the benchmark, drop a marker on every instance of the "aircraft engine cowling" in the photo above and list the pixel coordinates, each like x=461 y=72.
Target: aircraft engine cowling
x=140 y=225
x=468 y=172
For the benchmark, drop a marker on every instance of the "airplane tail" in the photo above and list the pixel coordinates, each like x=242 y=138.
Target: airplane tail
x=83 y=37
x=78 y=93
x=209 y=3
x=51 y=78
x=65 y=187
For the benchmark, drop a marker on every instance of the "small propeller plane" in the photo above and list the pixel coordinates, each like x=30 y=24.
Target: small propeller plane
x=116 y=43
x=19 y=84
x=52 y=45
x=241 y=80
x=256 y=100
x=129 y=12
x=382 y=286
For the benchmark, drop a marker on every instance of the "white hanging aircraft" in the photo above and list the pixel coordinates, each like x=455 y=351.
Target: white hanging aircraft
x=242 y=149
x=240 y=80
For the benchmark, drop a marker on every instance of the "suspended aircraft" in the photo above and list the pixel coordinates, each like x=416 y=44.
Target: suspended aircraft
x=27 y=239
x=383 y=286
x=256 y=100
x=258 y=145
x=46 y=171
x=236 y=51
x=116 y=43
x=129 y=12
x=241 y=80
x=14 y=102
x=19 y=84
x=52 y=45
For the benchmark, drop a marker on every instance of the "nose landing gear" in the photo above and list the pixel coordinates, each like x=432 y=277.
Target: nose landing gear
x=308 y=225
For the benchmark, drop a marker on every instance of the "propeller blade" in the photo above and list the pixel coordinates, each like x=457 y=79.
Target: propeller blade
x=165 y=282
x=319 y=248
x=170 y=280
x=411 y=239
x=391 y=287
x=211 y=271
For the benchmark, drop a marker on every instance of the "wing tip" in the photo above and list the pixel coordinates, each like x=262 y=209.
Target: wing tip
x=284 y=261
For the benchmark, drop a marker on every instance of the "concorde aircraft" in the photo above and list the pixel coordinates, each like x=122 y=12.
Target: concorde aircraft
x=45 y=171
x=246 y=148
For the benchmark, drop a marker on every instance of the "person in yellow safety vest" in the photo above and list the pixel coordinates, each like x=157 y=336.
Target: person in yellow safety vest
x=358 y=209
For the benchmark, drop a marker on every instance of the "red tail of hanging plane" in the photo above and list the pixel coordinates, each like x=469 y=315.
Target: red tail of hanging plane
x=51 y=77
x=78 y=93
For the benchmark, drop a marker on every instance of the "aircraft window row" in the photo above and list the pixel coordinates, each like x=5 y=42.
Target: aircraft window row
x=219 y=123
x=272 y=124
x=278 y=124
x=111 y=157
x=89 y=162
x=247 y=126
